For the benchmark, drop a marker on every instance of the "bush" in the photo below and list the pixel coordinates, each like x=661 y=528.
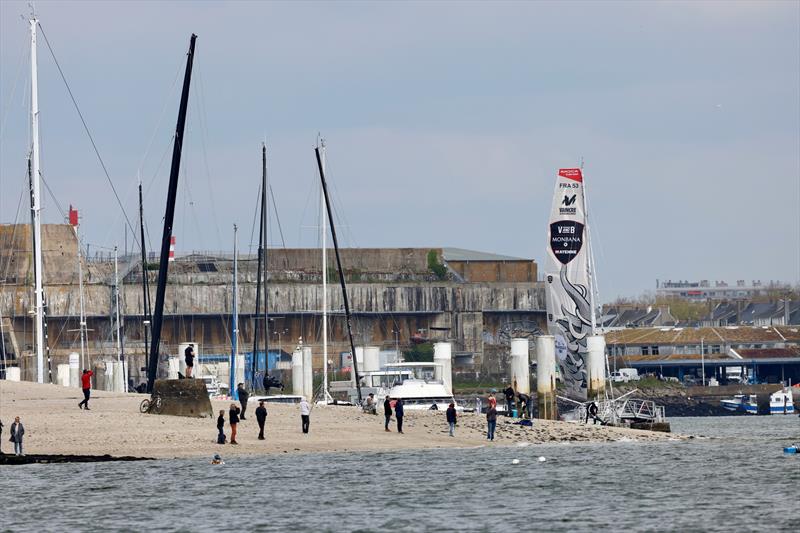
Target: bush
x=435 y=266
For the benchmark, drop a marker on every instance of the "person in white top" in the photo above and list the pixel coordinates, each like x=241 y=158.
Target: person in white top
x=305 y=414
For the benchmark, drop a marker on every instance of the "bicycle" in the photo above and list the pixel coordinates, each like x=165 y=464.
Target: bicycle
x=154 y=404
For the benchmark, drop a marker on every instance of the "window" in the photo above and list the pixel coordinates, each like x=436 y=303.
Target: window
x=645 y=350
x=715 y=348
x=654 y=350
x=705 y=349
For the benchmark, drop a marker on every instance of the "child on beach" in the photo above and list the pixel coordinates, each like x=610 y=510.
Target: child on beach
x=221 y=427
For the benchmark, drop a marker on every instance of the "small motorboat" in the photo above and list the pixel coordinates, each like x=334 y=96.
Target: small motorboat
x=781 y=402
x=792 y=449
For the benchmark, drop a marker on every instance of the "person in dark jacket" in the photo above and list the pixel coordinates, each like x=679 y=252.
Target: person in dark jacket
x=1 y=437
x=261 y=418
x=451 y=418
x=509 y=393
x=491 y=422
x=524 y=405
x=243 y=396
x=17 y=431
x=233 y=420
x=86 y=385
x=188 y=358
x=398 y=413
x=387 y=413
x=591 y=412
x=221 y=427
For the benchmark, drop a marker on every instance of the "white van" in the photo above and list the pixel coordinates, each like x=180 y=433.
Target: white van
x=631 y=373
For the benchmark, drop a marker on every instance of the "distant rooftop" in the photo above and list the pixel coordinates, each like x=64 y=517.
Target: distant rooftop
x=462 y=254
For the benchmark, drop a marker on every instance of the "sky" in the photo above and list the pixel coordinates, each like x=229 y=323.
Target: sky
x=445 y=124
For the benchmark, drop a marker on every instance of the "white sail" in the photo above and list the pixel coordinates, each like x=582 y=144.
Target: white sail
x=569 y=298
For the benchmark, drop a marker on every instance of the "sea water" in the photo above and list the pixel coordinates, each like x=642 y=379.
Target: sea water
x=733 y=476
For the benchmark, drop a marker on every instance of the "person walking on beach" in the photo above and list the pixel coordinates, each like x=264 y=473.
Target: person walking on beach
x=221 y=427
x=305 y=415
x=398 y=413
x=17 y=431
x=86 y=385
x=243 y=396
x=188 y=358
x=261 y=418
x=1 y=437
x=233 y=420
x=387 y=413
x=451 y=418
x=491 y=422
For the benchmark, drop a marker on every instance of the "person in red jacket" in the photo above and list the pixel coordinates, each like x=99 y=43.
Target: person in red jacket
x=86 y=385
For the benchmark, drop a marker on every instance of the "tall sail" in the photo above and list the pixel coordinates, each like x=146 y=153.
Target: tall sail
x=569 y=298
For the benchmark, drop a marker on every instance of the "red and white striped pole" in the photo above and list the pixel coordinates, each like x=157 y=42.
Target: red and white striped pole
x=172 y=248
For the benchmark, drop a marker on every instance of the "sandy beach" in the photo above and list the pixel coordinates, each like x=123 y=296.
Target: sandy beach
x=55 y=425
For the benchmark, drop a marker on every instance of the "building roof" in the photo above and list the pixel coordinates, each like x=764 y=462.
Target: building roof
x=462 y=254
x=708 y=335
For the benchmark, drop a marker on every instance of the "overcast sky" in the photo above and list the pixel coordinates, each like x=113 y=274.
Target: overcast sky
x=445 y=122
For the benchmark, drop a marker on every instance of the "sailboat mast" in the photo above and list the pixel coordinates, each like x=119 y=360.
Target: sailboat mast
x=264 y=221
x=256 y=315
x=36 y=209
x=590 y=257
x=234 y=321
x=116 y=305
x=145 y=289
x=82 y=323
x=341 y=273
x=324 y=238
x=169 y=217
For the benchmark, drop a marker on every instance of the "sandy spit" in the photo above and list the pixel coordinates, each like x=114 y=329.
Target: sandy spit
x=55 y=425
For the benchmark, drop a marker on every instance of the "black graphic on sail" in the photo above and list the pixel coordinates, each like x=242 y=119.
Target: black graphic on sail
x=566 y=240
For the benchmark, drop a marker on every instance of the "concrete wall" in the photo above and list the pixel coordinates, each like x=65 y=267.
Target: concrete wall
x=490 y=271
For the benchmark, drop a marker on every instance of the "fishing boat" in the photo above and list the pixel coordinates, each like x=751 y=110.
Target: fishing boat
x=571 y=314
x=745 y=403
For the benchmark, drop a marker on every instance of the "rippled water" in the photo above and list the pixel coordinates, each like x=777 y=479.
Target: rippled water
x=738 y=479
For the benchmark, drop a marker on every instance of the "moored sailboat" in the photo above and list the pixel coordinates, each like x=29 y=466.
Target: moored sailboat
x=571 y=315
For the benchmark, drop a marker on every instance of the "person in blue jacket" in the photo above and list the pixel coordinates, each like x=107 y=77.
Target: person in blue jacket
x=398 y=414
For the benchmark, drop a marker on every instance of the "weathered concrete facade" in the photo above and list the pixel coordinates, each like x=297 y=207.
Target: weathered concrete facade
x=393 y=295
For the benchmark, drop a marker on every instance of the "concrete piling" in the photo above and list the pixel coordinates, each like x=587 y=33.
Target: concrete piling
x=596 y=367
x=546 y=376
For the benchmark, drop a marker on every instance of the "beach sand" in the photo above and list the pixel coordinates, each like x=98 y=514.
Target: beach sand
x=55 y=425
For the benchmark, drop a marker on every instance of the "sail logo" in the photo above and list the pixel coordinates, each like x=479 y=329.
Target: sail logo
x=566 y=240
x=568 y=205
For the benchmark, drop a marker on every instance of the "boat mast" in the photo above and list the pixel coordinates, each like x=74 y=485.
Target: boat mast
x=260 y=261
x=36 y=209
x=145 y=289
x=234 y=322
x=341 y=272
x=169 y=217
x=82 y=323
x=324 y=238
x=590 y=257
x=120 y=356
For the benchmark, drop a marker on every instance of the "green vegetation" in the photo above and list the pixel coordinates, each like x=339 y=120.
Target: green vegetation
x=435 y=266
x=419 y=353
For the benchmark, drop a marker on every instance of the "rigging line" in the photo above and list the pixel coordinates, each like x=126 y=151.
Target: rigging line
x=255 y=215
x=277 y=218
x=202 y=116
x=167 y=100
x=53 y=196
x=14 y=232
x=91 y=139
